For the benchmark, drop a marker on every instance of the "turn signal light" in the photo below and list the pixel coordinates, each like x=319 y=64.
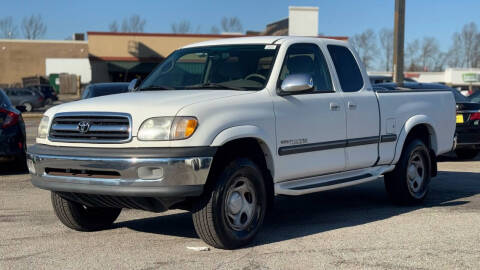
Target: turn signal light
x=10 y=119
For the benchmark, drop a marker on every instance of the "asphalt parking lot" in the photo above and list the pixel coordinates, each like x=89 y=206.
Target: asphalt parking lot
x=350 y=228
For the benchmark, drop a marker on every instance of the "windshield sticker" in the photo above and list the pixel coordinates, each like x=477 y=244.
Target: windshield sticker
x=270 y=47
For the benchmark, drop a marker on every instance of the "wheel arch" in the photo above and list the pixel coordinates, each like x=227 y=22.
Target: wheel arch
x=244 y=141
x=418 y=127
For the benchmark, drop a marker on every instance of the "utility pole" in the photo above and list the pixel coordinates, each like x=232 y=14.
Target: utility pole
x=398 y=42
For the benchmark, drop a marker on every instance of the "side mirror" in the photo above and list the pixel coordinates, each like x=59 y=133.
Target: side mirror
x=297 y=83
x=133 y=85
x=21 y=108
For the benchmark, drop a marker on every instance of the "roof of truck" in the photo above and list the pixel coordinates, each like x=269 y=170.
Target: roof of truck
x=254 y=40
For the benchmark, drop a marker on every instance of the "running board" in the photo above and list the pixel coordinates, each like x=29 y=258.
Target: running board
x=330 y=181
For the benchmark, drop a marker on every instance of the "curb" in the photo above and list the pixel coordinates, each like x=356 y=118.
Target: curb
x=32 y=115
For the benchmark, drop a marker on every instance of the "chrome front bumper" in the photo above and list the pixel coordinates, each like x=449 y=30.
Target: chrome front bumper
x=122 y=176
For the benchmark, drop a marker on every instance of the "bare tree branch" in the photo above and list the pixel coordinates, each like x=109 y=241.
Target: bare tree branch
x=428 y=50
x=33 y=27
x=181 y=27
x=113 y=27
x=214 y=30
x=231 y=25
x=7 y=28
x=365 y=44
x=133 y=24
x=412 y=55
x=386 y=41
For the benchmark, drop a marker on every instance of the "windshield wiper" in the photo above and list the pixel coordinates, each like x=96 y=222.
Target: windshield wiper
x=156 y=87
x=214 y=86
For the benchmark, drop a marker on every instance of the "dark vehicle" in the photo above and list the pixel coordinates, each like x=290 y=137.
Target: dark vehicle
x=47 y=91
x=103 y=89
x=475 y=97
x=12 y=132
x=385 y=79
x=468 y=117
x=29 y=98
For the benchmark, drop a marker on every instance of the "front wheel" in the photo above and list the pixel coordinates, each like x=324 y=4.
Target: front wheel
x=409 y=182
x=232 y=213
x=83 y=218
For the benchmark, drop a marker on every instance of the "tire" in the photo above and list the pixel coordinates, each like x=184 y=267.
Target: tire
x=231 y=214
x=28 y=106
x=408 y=183
x=82 y=218
x=466 y=153
x=48 y=101
x=20 y=163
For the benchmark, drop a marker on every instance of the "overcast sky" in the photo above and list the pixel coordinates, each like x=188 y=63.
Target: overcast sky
x=437 y=18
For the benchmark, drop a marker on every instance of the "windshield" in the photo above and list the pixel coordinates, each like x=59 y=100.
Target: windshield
x=237 y=67
x=458 y=96
x=475 y=97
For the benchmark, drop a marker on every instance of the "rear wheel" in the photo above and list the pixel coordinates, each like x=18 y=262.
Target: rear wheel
x=28 y=106
x=232 y=213
x=409 y=182
x=83 y=218
x=466 y=153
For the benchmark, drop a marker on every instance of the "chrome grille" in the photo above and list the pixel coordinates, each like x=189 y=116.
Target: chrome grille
x=91 y=127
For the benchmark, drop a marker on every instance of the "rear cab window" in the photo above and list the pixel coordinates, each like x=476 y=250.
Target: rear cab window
x=347 y=68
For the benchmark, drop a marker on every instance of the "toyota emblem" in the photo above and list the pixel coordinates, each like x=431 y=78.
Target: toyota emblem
x=83 y=127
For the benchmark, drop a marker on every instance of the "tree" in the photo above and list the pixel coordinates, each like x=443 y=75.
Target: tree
x=455 y=55
x=33 y=27
x=181 y=27
x=113 y=26
x=428 y=50
x=231 y=25
x=412 y=55
x=133 y=24
x=214 y=30
x=386 y=41
x=365 y=44
x=7 y=28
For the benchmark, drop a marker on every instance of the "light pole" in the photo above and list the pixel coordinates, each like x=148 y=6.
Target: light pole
x=398 y=42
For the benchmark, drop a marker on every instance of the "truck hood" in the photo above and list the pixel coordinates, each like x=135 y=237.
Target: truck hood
x=144 y=105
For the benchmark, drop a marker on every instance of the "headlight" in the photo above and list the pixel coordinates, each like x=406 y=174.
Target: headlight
x=167 y=128
x=43 y=127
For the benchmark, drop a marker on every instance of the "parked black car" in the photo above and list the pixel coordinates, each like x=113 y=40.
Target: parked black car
x=468 y=118
x=47 y=91
x=103 y=89
x=29 y=98
x=475 y=97
x=12 y=132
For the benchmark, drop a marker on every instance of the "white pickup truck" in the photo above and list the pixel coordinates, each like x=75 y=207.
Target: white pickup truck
x=221 y=127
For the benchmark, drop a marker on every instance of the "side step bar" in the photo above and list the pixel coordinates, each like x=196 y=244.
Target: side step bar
x=330 y=181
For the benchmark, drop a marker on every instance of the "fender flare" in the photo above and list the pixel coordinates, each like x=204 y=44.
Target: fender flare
x=408 y=126
x=247 y=131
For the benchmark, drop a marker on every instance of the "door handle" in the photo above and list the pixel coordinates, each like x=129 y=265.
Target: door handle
x=352 y=106
x=334 y=106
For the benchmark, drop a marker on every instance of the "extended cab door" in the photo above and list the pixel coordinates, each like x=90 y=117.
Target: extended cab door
x=310 y=127
x=363 y=118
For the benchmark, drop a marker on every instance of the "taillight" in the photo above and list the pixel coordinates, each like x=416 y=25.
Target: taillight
x=10 y=119
x=475 y=116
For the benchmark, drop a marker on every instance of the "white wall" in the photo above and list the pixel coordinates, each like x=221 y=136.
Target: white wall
x=77 y=66
x=451 y=76
x=303 y=21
